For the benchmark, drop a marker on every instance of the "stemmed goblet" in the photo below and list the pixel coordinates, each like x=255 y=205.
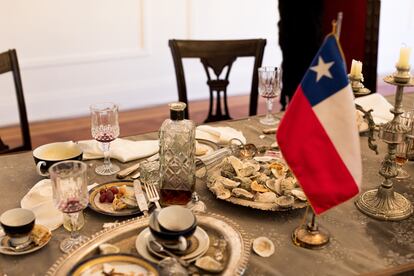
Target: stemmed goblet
x=401 y=154
x=105 y=129
x=70 y=195
x=269 y=88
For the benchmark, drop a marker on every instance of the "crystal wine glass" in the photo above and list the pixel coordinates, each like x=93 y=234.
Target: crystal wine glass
x=105 y=128
x=406 y=119
x=70 y=195
x=269 y=88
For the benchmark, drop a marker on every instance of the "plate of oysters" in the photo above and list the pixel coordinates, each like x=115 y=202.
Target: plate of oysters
x=262 y=182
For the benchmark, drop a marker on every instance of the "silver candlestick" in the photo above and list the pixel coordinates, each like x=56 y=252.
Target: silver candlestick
x=358 y=86
x=384 y=203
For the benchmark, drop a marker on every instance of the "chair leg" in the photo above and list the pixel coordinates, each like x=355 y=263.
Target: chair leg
x=3 y=146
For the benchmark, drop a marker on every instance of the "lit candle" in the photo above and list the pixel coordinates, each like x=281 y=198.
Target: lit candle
x=404 y=60
x=353 y=67
x=356 y=68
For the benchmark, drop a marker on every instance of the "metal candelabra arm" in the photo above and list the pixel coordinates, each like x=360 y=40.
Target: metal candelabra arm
x=371 y=127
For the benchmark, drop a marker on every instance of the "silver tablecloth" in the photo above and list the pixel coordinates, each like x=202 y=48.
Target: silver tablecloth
x=358 y=244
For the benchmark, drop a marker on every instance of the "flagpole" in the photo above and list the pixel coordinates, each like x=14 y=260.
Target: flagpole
x=339 y=24
x=310 y=235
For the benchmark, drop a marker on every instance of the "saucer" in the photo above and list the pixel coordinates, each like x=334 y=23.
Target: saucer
x=40 y=233
x=193 y=244
x=143 y=238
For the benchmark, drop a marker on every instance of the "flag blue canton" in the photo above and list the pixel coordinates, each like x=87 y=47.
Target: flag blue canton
x=318 y=90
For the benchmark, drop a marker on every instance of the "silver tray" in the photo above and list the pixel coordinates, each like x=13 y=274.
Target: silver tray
x=298 y=204
x=124 y=235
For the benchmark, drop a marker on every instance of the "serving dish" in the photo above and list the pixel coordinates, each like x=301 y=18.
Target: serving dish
x=263 y=182
x=221 y=230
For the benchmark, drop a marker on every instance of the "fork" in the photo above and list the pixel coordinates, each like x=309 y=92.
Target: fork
x=152 y=195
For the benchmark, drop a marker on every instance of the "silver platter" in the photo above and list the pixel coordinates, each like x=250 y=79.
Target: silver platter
x=125 y=233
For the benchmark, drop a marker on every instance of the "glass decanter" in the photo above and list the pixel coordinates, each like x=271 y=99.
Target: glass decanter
x=177 y=157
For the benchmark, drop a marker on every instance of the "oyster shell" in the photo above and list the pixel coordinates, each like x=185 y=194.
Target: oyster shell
x=263 y=159
x=285 y=201
x=244 y=182
x=252 y=163
x=239 y=192
x=107 y=248
x=267 y=197
x=278 y=169
x=288 y=184
x=299 y=194
x=219 y=190
x=236 y=163
x=274 y=145
x=274 y=185
x=209 y=264
x=227 y=170
x=263 y=247
x=261 y=178
x=227 y=183
x=247 y=171
x=258 y=187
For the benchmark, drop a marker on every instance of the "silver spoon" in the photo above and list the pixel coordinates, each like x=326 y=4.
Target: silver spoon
x=18 y=248
x=157 y=247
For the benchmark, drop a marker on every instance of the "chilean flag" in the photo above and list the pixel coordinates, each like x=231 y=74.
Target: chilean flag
x=318 y=135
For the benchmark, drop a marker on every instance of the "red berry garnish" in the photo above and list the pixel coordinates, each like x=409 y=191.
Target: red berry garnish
x=102 y=198
x=109 y=196
x=114 y=190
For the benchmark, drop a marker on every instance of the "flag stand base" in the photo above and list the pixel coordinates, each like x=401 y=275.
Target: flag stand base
x=310 y=236
x=384 y=204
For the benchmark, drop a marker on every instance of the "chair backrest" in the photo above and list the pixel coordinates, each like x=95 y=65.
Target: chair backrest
x=9 y=63
x=216 y=55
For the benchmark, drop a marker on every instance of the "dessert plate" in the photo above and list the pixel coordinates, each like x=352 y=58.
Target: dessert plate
x=142 y=246
x=108 y=208
x=40 y=235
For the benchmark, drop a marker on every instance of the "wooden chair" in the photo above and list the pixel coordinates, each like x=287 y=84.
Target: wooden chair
x=9 y=63
x=217 y=55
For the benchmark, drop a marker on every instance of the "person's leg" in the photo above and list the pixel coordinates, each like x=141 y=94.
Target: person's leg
x=300 y=35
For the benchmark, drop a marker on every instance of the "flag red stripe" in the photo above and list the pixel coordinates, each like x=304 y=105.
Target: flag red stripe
x=313 y=158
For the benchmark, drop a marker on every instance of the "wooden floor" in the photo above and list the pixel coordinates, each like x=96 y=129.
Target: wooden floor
x=131 y=122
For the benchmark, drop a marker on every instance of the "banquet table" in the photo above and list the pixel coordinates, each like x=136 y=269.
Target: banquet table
x=358 y=243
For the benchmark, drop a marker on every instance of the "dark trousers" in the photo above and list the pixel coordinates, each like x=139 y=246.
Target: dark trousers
x=300 y=36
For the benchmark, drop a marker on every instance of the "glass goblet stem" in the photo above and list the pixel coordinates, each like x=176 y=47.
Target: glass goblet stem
x=107 y=159
x=75 y=238
x=269 y=109
x=74 y=231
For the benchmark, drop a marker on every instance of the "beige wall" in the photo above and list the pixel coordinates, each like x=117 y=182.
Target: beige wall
x=396 y=28
x=74 y=53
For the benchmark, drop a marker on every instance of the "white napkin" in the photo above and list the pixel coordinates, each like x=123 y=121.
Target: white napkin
x=219 y=135
x=381 y=107
x=40 y=200
x=120 y=149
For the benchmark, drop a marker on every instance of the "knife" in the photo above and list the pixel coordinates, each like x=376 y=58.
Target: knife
x=139 y=195
x=125 y=172
x=270 y=130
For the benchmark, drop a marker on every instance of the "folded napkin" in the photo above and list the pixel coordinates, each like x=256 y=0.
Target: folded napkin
x=381 y=107
x=219 y=135
x=39 y=199
x=121 y=149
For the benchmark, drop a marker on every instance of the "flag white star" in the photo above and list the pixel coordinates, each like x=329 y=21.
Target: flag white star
x=322 y=69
